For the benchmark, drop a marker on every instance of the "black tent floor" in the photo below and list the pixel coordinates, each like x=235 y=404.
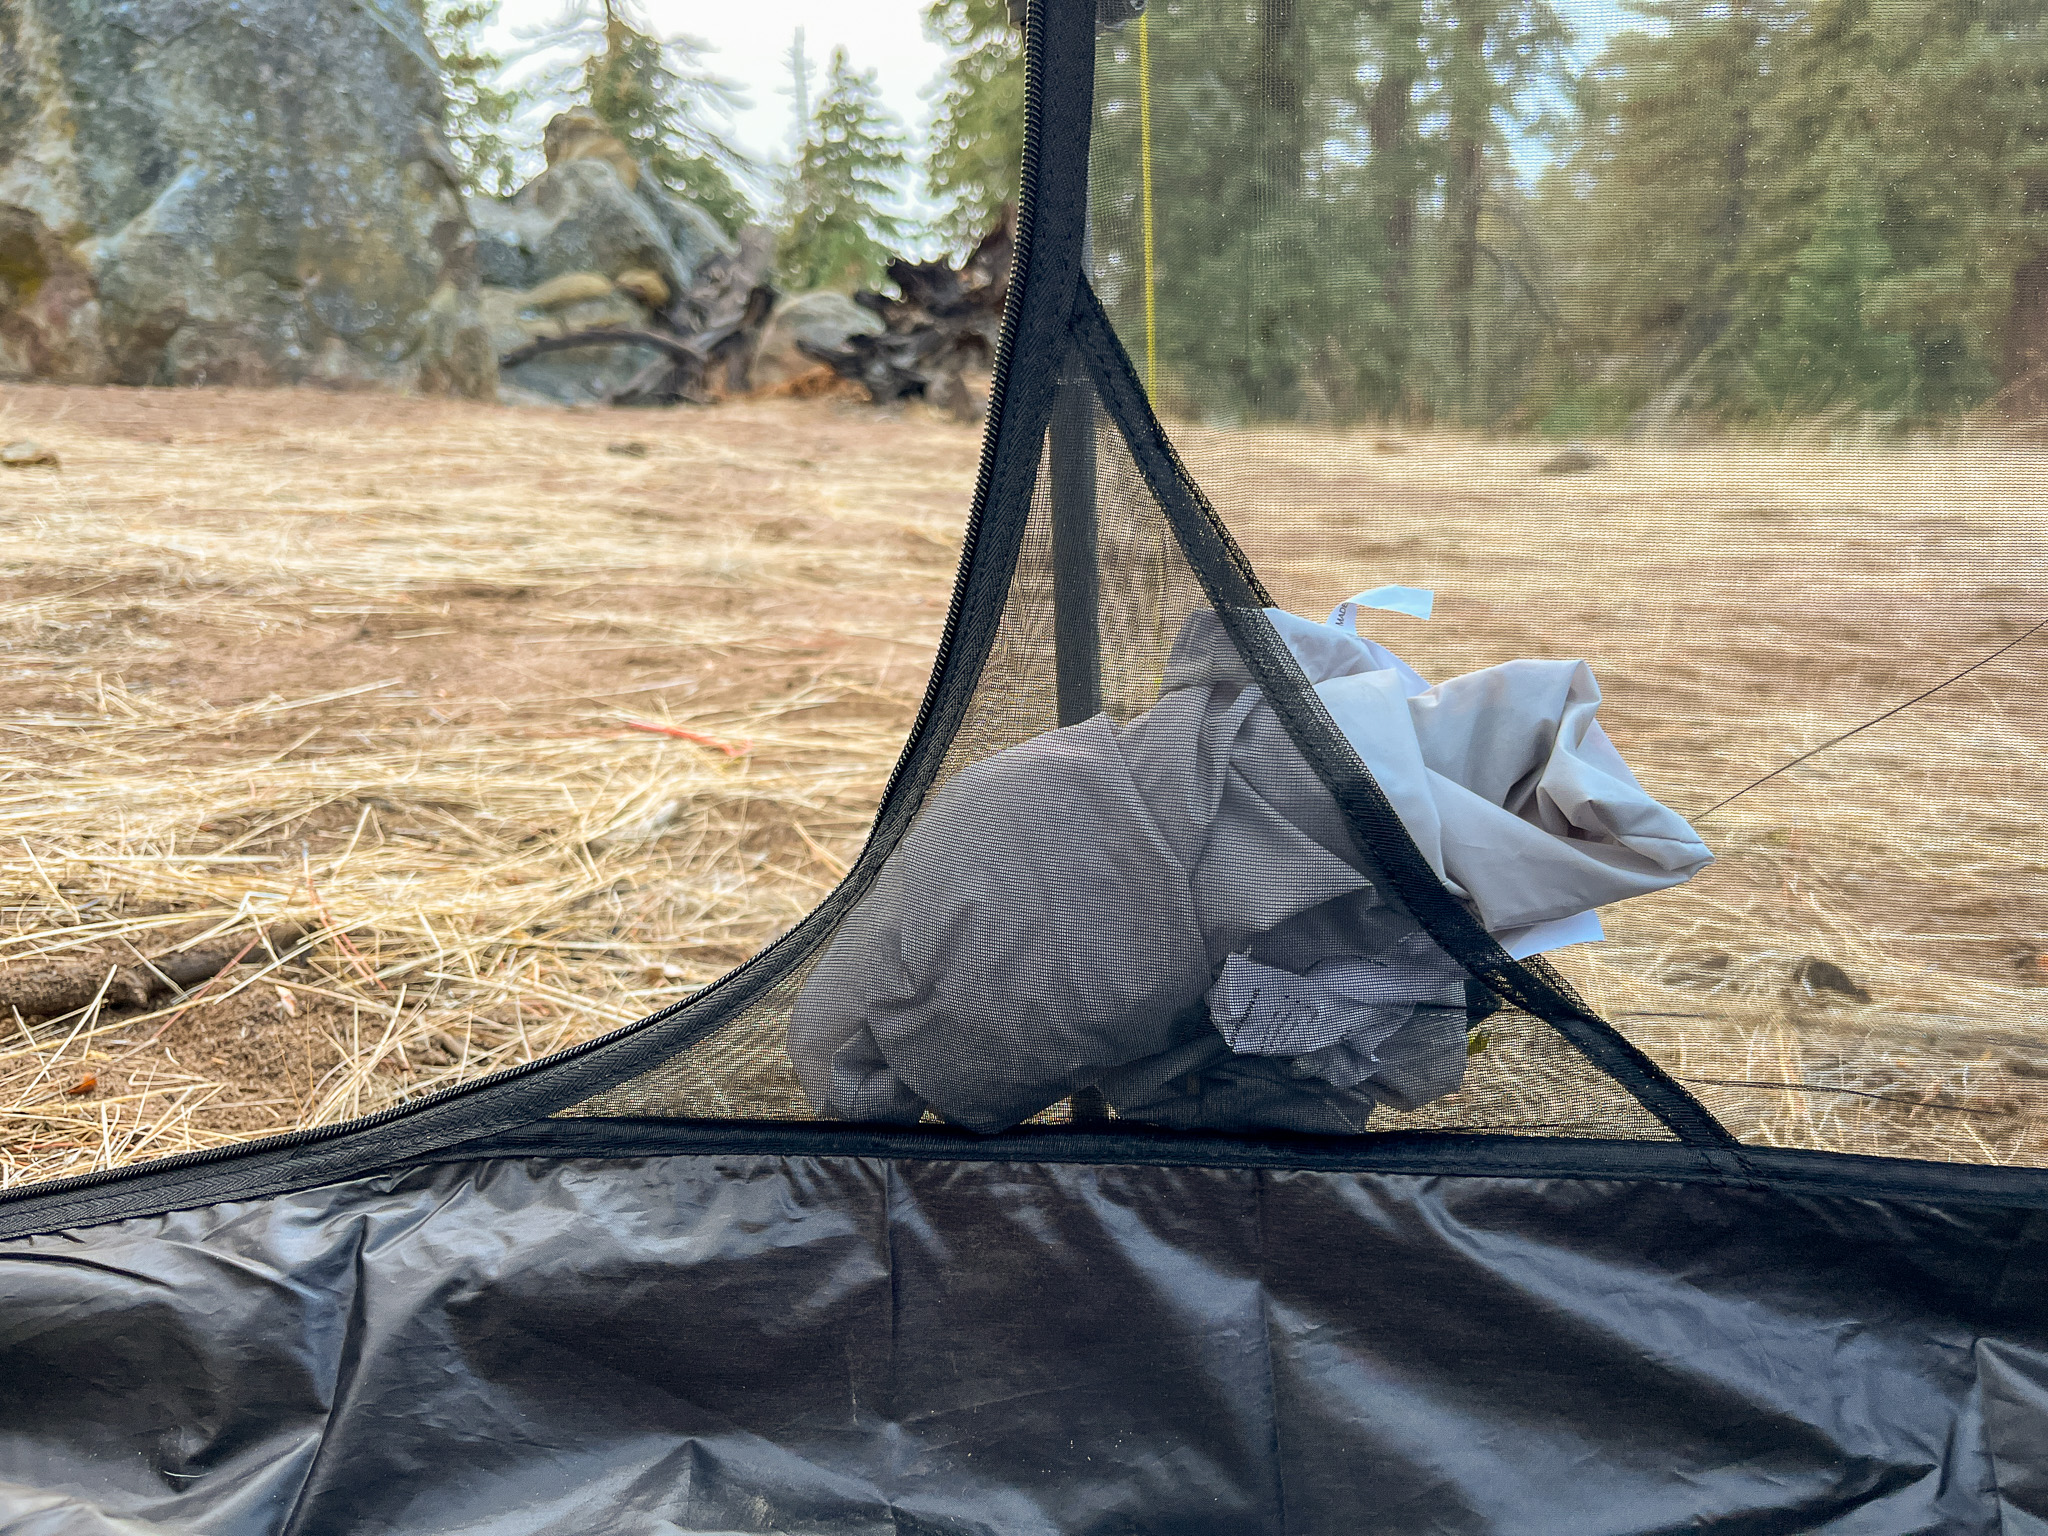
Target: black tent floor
x=642 y=1328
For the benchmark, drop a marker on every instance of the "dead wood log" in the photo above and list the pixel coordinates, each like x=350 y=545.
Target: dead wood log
x=707 y=334
x=723 y=351
x=939 y=327
x=677 y=349
x=45 y=988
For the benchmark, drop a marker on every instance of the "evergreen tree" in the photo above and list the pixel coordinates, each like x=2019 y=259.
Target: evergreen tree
x=1830 y=203
x=481 y=108
x=1397 y=172
x=1754 y=206
x=661 y=102
x=1665 y=182
x=1338 y=233
x=839 y=233
x=977 y=135
x=1268 y=270
x=799 y=91
x=1819 y=351
x=1958 y=125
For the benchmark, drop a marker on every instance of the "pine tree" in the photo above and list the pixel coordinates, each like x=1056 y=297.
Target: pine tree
x=1820 y=351
x=839 y=232
x=799 y=90
x=1958 y=123
x=1669 y=185
x=1268 y=265
x=480 y=107
x=661 y=102
x=1823 y=203
x=977 y=135
x=1396 y=173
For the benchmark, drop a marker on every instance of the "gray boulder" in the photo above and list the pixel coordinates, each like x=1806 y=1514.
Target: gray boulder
x=503 y=259
x=49 y=313
x=581 y=217
x=823 y=318
x=693 y=232
x=594 y=209
x=252 y=192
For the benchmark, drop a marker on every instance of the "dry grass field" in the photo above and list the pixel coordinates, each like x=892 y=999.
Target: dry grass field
x=1742 y=604
x=470 y=731
x=410 y=674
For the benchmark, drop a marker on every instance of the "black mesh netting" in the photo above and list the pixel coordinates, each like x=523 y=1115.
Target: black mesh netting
x=1351 y=365
x=1032 y=953
x=1374 y=333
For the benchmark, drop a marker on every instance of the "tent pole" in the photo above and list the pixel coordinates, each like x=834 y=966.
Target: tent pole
x=1076 y=588
x=1076 y=578
x=1076 y=573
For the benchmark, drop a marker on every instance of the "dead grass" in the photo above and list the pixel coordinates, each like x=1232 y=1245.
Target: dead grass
x=534 y=735
x=388 y=668
x=1741 y=603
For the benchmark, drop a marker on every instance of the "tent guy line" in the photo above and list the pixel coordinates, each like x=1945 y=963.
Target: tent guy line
x=1896 y=709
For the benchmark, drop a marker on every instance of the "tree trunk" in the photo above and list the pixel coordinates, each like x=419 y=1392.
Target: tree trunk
x=1732 y=224
x=1462 y=276
x=1386 y=127
x=1280 y=129
x=2024 y=366
x=1396 y=182
x=1471 y=116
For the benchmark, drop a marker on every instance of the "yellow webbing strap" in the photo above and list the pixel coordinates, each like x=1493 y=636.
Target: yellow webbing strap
x=1145 y=198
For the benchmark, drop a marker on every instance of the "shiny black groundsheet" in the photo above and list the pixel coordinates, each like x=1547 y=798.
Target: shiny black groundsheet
x=752 y=1342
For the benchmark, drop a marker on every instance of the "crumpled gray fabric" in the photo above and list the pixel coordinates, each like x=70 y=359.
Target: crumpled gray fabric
x=1504 y=778
x=1350 y=1021
x=1059 y=913
x=1060 y=908
x=1309 y=1052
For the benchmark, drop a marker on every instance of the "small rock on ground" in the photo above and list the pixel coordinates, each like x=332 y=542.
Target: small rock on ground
x=1573 y=461
x=28 y=454
x=1816 y=975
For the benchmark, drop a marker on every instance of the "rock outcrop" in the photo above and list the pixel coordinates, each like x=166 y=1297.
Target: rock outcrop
x=591 y=210
x=573 y=301
x=592 y=242
x=231 y=191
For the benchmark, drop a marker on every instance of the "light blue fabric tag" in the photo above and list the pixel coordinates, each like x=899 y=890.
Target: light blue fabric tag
x=1416 y=602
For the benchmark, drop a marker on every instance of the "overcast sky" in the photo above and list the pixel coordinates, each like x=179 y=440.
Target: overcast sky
x=750 y=40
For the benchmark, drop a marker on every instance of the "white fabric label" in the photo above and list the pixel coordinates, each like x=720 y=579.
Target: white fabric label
x=1416 y=602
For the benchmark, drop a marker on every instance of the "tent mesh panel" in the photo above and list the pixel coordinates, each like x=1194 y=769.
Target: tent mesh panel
x=1527 y=1080
x=1862 y=969
x=1865 y=967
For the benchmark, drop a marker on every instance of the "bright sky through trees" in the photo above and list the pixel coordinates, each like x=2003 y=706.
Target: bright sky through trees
x=887 y=36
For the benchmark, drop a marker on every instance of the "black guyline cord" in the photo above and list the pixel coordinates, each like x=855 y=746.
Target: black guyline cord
x=1896 y=709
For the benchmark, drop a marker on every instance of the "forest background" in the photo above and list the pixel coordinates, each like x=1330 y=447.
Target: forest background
x=1749 y=211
